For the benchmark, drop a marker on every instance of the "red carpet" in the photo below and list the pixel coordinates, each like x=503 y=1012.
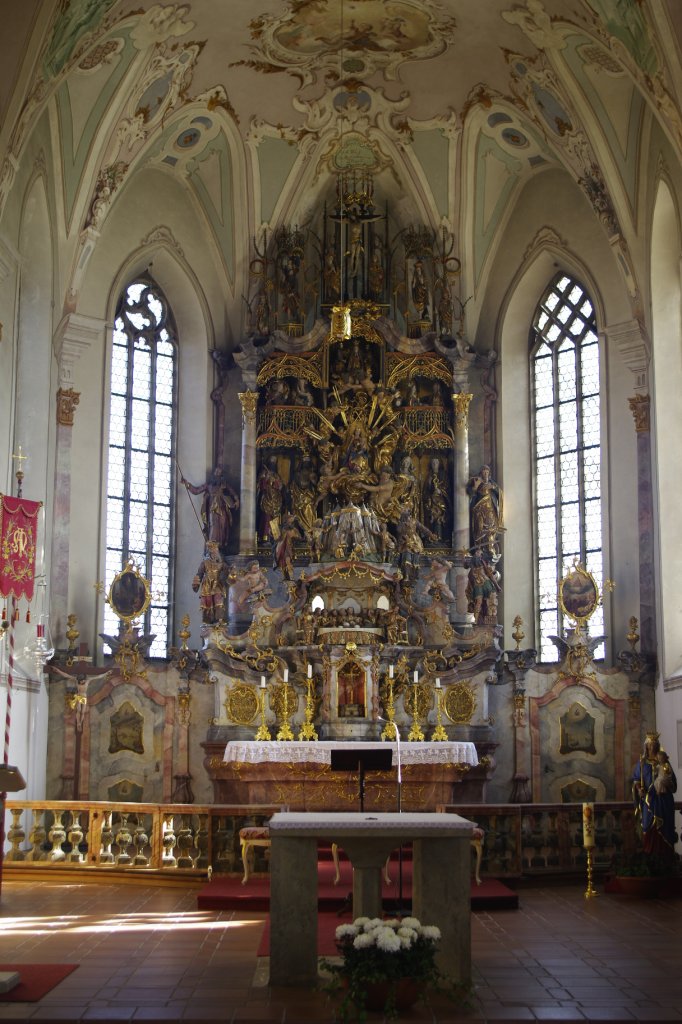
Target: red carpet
x=225 y=892
x=36 y=981
x=327 y=923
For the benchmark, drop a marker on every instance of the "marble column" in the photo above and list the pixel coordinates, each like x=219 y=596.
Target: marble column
x=460 y=540
x=75 y=334
x=635 y=350
x=460 y=502
x=640 y=406
x=247 y=497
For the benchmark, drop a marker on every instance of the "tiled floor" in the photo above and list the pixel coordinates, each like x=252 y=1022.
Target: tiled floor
x=146 y=953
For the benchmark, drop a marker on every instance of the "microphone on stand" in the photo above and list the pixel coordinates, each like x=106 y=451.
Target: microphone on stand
x=400 y=767
x=400 y=785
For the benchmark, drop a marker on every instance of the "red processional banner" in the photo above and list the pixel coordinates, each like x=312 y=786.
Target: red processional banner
x=18 y=538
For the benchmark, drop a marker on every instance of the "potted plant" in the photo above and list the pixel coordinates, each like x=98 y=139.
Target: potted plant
x=385 y=965
x=642 y=874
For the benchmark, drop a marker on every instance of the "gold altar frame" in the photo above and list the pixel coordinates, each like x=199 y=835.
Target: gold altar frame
x=578 y=594
x=130 y=593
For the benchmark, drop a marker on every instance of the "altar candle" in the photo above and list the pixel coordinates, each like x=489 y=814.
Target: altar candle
x=588 y=825
x=310 y=671
x=286 y=675
x=438 y=682
x=262 y=682
x=416 y=676
x=390 y=671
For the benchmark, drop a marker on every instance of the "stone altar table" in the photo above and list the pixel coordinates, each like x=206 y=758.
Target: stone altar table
x=440 y=882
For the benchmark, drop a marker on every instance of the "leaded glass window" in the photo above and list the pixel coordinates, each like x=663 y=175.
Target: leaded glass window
x=567 y=455
x=140 y=509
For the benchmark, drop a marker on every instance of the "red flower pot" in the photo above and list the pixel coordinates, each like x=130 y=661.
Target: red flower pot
x=407 y=992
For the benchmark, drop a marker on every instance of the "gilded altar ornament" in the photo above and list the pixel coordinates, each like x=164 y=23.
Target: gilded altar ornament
x=462 y=402
x=418 y=701
x=262 y=733
x=390 y=730
x=439 y=733
x=72 y=635
x=341 y=329
x=518 y=635
x=460 y=702
x=307 y=730
x=67 y=400
x=184 y=702
x=283 y=702
x=640 y=409
x=249 y=403
x=633 y=636
x=241 y=704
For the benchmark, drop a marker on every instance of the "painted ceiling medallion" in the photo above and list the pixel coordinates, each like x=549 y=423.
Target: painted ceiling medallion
x=378 y=34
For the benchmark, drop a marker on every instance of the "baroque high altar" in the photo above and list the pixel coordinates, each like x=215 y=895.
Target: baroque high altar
x=364 y=596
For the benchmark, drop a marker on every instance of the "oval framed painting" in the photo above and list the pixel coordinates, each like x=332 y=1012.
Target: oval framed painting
x=578 y=594
x=129 y=594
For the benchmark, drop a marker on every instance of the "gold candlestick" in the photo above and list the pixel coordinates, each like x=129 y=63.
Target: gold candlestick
x=307 y=730
x=390 y=729
x=589 y=892
x=416 y=733
x=439 y=733
x=263 y=732
x=285 y=732
x=588 y=845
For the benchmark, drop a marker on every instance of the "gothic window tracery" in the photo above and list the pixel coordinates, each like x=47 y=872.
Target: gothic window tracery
x=565 y=387
x=142 y=428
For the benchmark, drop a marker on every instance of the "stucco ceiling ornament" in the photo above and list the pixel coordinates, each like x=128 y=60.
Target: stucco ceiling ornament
x=353 y=125
x=162 y=87
x=536 y=85
x=162 y=236
x=373 y=35
x=545 y=238
x=159 y=23
x=533 y=20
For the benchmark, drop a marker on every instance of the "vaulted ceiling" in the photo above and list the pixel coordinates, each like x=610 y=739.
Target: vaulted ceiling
x=253 y=106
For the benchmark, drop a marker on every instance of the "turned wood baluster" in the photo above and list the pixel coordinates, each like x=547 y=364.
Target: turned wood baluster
x=201 y=841
x=140 y=841
x=75 y=837
x=16 y=835
x=185 y=842
x=222 y=846
x=57 y=836
x=123 y=840
x=38 y=835
x=169 y=842
x=106 y=855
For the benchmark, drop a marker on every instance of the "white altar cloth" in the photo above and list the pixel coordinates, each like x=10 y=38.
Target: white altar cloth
x=295 y=752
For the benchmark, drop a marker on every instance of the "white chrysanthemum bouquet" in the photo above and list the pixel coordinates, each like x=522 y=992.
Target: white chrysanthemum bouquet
x=381 y=955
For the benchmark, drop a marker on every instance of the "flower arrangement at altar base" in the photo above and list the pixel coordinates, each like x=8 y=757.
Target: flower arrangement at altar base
x=386 y=964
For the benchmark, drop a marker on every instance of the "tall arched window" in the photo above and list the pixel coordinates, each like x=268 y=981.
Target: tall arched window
x=566 y=438
x=142 y=425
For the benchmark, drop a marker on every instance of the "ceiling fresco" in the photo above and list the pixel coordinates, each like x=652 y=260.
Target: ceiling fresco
x=446 y=102
x=355 y=37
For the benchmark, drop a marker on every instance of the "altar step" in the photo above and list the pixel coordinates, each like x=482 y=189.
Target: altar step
x=226 y=892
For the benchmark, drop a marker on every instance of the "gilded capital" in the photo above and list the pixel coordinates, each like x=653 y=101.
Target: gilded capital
x=249 y=400
x=462 y=401
x=639 y=406
x=67 y=400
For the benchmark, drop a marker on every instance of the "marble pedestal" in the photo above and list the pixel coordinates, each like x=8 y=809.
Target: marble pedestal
x=440 y=884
